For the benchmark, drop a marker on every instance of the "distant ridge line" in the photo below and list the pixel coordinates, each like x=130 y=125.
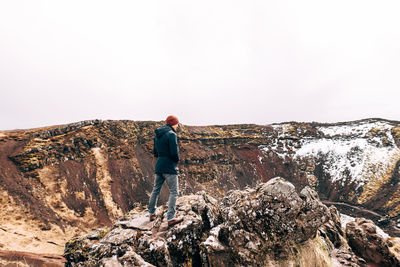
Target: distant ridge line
x=79 y=124
x=339 y=123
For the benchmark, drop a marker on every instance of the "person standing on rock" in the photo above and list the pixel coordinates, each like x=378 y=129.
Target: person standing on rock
x=167 y=153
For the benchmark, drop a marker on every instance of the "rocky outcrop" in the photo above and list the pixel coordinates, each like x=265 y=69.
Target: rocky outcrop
x=366 y=242
x=270 y=225
x=333 y=236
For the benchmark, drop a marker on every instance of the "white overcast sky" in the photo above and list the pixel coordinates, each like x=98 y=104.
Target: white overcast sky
x=208 y=62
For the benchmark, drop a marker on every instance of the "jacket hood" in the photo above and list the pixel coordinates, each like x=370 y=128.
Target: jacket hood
x=160 y=131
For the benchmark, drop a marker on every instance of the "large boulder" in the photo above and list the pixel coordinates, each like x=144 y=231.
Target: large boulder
x=364 y=239
x=269 y=219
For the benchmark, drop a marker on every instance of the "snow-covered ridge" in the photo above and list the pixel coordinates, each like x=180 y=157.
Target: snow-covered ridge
x=360 y=152
x=357 y=129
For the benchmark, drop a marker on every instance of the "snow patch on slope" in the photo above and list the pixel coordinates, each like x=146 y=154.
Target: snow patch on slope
x=357 y=159
x=357 y=152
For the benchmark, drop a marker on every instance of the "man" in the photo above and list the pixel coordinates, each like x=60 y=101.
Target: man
x=167 y=154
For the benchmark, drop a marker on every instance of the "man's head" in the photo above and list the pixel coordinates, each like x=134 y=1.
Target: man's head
x=173 y=121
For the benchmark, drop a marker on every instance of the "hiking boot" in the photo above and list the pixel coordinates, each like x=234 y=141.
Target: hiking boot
x=152 y=217
x=174 y=221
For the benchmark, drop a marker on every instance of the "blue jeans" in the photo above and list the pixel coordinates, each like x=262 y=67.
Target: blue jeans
x=172 y=182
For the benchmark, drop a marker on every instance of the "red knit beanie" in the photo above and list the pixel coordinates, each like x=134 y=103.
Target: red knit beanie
x=172 y=120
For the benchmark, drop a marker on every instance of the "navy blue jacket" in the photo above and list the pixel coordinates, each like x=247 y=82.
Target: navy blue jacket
x=166 y=150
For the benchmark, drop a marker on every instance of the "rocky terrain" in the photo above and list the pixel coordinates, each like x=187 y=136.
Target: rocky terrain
x=63 y=181
x=269 y=225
